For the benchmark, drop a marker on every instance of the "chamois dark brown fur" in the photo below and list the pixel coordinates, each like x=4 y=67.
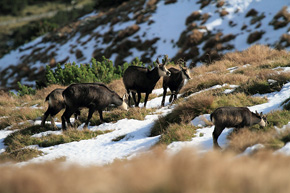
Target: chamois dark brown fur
x=55 y=105
x=237 y=117
x=94 y=96
x=175 y=82
x=142 y=80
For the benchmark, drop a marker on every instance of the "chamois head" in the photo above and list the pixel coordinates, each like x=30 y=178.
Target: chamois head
x=124 y=105
x=263 y=118
x=185 y=71
x=162 y=70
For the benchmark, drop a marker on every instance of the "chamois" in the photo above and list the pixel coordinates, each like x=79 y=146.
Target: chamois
x=175 y=82
x=55 y=104
x=94 y=96
x=142 y=80
x=237 y=117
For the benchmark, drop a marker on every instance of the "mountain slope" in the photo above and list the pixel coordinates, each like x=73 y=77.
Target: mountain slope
x=196 y=31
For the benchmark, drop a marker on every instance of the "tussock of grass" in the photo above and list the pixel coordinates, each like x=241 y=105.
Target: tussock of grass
x=237 y=100
x=19 y=155
x=278 y=118
x=18 y=115
x=261 y=84
x=177 y=132
x=67 y=137
x=241 y=139
x=184 y=112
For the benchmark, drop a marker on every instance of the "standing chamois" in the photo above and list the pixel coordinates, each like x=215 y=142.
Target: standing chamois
x=175 y=82
x=142 y=80
x=55 y=104
x=237 y=117
x=94 y=96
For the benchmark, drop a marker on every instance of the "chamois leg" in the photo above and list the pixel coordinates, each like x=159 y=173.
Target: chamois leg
x=91 y=112
x=77 y=114
x=146 y=98
x=139 y=98
x=53 y=112
x=46 y=114
x=164 y=95
x=174 y=97
x=171 y=97
x=134 y=99
x=101 y=116
x=66 y=118
x=216 y=133
x=129 y=97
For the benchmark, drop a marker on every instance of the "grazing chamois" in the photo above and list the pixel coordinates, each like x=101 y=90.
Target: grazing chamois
x=142 y=80
x=175 y=82
x=94 y=96
x=55 y=105
x=237 y=117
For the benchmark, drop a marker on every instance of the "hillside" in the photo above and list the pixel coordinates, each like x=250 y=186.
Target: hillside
x=200 y=32
x=159 y=149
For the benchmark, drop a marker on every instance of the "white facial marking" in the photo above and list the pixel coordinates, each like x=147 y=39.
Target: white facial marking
x=262 y=123
x=162 y=72
x=124 y=106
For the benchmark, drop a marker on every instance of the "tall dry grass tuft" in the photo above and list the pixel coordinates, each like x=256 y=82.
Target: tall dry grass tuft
x=255 y=55
x=243 y=138
x=157 y=172
x=184 y=112
x=207 y=80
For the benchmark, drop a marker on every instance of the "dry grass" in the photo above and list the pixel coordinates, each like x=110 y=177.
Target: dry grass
x=157 y=172
x=178 y=132
x=241 y=139
x=184 y=112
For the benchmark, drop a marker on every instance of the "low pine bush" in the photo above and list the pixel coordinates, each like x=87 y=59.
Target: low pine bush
x=98 y=71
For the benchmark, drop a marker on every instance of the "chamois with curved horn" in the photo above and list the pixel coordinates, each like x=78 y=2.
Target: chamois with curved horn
x=175 y=81
x=142 y=80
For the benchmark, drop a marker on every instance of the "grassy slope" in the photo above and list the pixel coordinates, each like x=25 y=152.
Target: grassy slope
x=157 y=172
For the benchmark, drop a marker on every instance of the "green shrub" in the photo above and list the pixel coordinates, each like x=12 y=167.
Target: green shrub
x=25 y=90
x=98 y=71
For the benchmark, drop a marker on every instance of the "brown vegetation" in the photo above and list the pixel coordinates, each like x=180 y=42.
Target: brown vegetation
x=156 y=172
